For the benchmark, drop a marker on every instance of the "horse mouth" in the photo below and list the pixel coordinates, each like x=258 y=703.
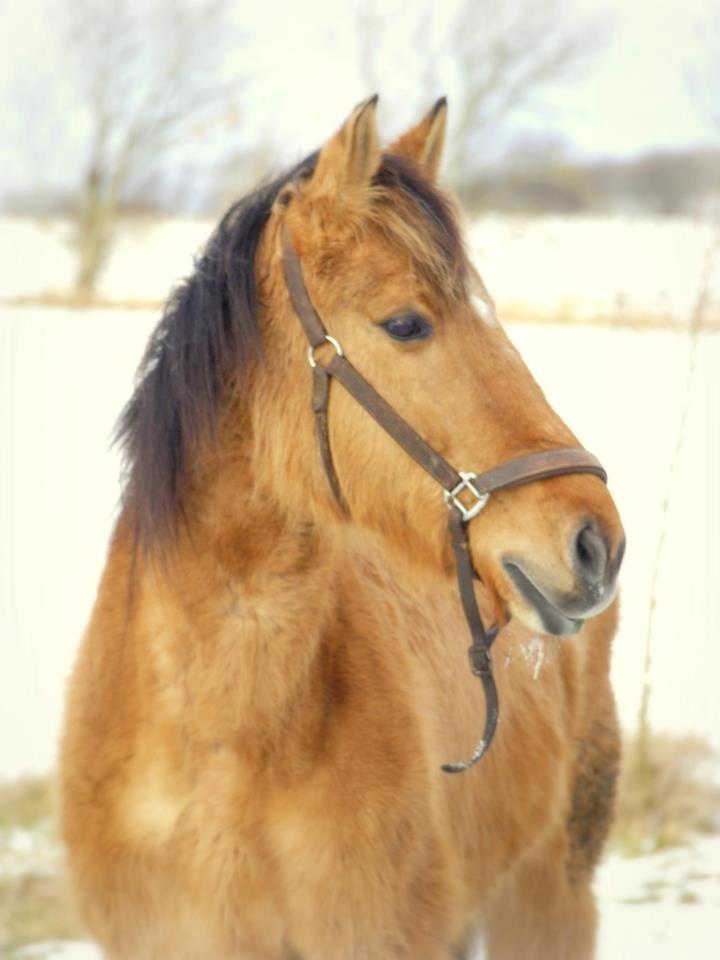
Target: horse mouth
x=553 y=620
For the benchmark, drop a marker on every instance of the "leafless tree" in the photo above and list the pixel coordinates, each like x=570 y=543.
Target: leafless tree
x=498 y=58
x=508 y=55
x=151 y=73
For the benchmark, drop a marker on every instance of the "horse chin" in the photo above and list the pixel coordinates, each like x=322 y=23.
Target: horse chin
x=538 y=610
x=558 y=614
x=550 y=621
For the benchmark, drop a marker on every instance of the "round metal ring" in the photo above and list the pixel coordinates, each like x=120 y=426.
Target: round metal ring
x=333 y=341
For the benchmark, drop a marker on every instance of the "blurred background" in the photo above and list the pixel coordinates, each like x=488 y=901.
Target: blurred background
x=584 y=144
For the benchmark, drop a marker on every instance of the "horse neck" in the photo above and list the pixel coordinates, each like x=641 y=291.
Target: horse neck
x=235 y=623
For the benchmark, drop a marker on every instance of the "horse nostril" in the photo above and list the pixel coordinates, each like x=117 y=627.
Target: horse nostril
x=591 y=555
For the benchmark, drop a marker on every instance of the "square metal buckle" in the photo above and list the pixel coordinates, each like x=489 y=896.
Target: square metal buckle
x=466 y=483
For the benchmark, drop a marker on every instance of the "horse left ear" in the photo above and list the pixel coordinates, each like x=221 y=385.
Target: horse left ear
x=423 y=143
x=350 y=159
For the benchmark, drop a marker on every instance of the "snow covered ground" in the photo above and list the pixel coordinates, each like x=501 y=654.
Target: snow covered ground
x=631 y=269
x=661 y=907
x=581 y=269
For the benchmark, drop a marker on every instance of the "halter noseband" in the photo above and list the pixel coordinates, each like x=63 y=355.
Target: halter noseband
x=475 y=488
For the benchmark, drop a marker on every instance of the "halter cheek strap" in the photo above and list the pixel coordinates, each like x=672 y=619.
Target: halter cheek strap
x=465 y=493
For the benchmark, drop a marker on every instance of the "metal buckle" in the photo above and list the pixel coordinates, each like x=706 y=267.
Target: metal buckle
x=466 y=483
x=312 y=349
x=480 y=661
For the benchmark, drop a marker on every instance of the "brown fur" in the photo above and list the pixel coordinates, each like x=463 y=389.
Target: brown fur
x=260 y=707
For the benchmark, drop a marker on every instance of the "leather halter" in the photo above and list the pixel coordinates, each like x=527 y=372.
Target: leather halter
x=474 y=489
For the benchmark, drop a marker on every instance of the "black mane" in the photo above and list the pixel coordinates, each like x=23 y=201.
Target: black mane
x=209 y=330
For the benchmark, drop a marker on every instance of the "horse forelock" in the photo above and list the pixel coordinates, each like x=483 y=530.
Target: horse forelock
x=210 y=331
x=421 y=220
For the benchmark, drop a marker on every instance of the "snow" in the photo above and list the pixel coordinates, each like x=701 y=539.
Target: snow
x=663 y=906
x=613 y=267
x=534 y=654
x=59 y=950
x=23 y=851
x=544 y=267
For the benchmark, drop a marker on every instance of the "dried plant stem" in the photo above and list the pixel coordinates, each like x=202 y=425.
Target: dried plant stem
x=641 y=758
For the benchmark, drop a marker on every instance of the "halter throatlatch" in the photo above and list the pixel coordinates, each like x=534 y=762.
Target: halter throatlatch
x=465 y=494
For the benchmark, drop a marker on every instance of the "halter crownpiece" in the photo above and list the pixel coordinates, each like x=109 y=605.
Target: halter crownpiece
x=474 y=489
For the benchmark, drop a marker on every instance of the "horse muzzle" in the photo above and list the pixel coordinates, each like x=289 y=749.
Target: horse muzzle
x=594 y=566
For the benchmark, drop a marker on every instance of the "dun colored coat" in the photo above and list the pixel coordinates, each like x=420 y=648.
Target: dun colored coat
x=267 y=688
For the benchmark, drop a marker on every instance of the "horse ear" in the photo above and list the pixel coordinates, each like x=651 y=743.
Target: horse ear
x=424 y=142
x=348 y=161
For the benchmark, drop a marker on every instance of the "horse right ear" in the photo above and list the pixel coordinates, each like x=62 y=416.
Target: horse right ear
x=423 y=143
x=349 y=160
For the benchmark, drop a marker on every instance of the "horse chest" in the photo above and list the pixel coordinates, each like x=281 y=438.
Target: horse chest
x=289 y=860
x=310 y=865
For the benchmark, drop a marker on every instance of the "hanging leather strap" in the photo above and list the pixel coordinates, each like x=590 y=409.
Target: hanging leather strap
x=465 y=493
x=320 y=402
x=302 y=304
x=479 y=650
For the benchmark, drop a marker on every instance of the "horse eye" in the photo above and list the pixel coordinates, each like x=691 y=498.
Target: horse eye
x=407 y=326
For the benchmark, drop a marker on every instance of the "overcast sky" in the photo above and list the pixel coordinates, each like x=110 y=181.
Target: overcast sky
x=634 y=95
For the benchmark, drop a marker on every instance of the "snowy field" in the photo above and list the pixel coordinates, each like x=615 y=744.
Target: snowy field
x=64 y=375
x=615 y=269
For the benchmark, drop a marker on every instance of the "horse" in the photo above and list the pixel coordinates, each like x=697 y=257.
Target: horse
x=275 y=672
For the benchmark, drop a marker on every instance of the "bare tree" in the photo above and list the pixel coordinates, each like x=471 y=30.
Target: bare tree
x=498 y=58
x=508 y=55
x=151 y=73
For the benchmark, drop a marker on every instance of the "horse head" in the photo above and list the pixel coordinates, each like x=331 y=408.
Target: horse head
x=385 y=268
